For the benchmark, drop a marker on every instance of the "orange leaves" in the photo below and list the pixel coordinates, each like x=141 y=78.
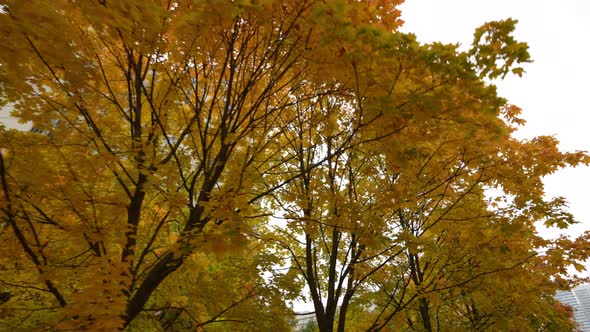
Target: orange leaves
x=139 y=23
x=511 y=112
x=534 y=159
x=383 y=14
x=98 y=302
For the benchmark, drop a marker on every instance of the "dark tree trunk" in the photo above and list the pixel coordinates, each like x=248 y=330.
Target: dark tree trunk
x=425 y=314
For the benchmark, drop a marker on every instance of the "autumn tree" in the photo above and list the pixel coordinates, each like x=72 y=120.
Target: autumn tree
x=169 y=133
x=397 y=230
x=155 y=119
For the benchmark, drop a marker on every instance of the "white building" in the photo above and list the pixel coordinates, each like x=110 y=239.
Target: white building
x=579 y=299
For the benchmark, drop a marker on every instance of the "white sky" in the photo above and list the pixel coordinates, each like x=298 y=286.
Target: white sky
x=555 y=90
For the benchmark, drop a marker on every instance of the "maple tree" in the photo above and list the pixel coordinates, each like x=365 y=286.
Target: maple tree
x=397 y=226
x=171 y=137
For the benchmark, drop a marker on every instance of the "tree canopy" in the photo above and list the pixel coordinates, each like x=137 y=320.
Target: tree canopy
x=203 y=164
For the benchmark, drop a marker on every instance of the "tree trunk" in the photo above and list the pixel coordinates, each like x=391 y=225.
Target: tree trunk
x=425 y=314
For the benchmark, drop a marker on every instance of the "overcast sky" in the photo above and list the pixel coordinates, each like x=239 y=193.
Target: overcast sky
x=554 y=93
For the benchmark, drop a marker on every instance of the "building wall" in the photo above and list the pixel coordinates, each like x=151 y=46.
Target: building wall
x=579 y=299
